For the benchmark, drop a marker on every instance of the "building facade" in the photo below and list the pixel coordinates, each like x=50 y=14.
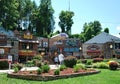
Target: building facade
x=103 y=45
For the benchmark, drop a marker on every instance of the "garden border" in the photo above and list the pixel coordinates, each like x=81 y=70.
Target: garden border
x=50 y=77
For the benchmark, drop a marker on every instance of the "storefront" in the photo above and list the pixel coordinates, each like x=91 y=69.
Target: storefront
x=28 y=47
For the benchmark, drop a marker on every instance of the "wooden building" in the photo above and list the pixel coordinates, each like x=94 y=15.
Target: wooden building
x=28 y=47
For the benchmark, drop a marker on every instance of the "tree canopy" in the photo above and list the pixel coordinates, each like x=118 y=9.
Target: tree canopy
x=66 y=21
x=90 y=30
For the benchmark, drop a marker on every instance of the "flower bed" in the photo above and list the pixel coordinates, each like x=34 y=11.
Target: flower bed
x=66 y=73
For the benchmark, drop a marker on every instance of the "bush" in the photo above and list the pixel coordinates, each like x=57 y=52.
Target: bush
x=45 y=68
x=89 y=62
x=18 y=65
x=62 y=67
x=39 y=71
x=38 y=63
x=70 y=61
x=78 y=61
x=76 y=68
x=101 y=65
x=4 y=64
x=97 y=60
x=29 y=63
x=113 y=65
x=16 y=69
x=81 y=66
x=57 y=72
x=84 y=61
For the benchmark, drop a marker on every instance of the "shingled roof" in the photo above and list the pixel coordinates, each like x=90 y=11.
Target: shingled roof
x=103 y=38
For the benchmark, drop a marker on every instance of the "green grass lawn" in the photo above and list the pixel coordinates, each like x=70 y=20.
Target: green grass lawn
x=105 y=77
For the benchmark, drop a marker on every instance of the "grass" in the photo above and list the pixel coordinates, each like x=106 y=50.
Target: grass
x=105 y=77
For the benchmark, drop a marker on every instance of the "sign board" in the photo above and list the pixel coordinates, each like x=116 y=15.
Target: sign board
x=9 y=58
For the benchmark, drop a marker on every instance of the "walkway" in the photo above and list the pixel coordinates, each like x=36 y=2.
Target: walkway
x=29 y=69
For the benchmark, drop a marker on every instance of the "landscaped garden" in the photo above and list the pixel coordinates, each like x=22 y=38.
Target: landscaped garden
x=105 y=77
x=72 y=72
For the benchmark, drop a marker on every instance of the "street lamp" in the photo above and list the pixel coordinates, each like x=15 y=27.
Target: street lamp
x=80 y=51
x=27 y=51
x=111 y=47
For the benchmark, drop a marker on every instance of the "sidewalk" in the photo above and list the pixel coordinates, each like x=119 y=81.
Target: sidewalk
x=29 y=69
x=6 y=71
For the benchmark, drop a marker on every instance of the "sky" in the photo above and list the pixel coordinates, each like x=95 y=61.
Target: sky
x=107 y=12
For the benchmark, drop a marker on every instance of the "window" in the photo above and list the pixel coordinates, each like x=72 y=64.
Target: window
x=12 y=43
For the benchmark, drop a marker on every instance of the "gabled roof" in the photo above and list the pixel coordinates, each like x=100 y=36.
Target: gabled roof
x=103 y=38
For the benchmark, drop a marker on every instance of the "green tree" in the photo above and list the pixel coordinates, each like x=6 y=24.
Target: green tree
x=9 y=14
x=66 y=21
x=45 y=21
x=90 y=30
x=106 y=30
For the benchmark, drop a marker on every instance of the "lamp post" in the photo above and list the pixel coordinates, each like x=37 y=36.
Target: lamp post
x=111 y=51
x=27 y=52
x=80 y=52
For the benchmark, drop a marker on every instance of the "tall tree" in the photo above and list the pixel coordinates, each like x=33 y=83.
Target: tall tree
x=66 y=21
x=45 y=21
x=90 y=30
x=106 y=30
x=9 y=14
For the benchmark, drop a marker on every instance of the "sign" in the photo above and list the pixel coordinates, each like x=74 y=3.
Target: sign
x=9 y=58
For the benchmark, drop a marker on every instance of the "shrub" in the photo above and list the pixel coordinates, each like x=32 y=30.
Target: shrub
x=76 y=68
x=4 y=64
x=113 y=65
x=16 y=69
x=62 y=67
x=78 y=61
x=89 y=62
x=70 y=61
x=97 y=60
x=38 y=63
x=45 y=68
x=103 y=65
x=29 y=63
x=84 y=61
x=57 y=72
x=81 y=66
x=39 y=71
x=18 y=65
x=95 y=65
x=37 y=57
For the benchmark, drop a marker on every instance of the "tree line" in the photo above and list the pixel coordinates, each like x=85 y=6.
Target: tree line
x=25 y=14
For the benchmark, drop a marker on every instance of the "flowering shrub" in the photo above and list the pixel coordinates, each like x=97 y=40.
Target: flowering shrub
x=97 y=60
x=113 y=65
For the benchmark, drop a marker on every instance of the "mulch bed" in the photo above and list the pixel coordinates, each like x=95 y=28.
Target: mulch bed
x=66 y=71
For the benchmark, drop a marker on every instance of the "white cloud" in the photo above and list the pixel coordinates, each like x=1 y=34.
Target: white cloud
x=118 y=28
